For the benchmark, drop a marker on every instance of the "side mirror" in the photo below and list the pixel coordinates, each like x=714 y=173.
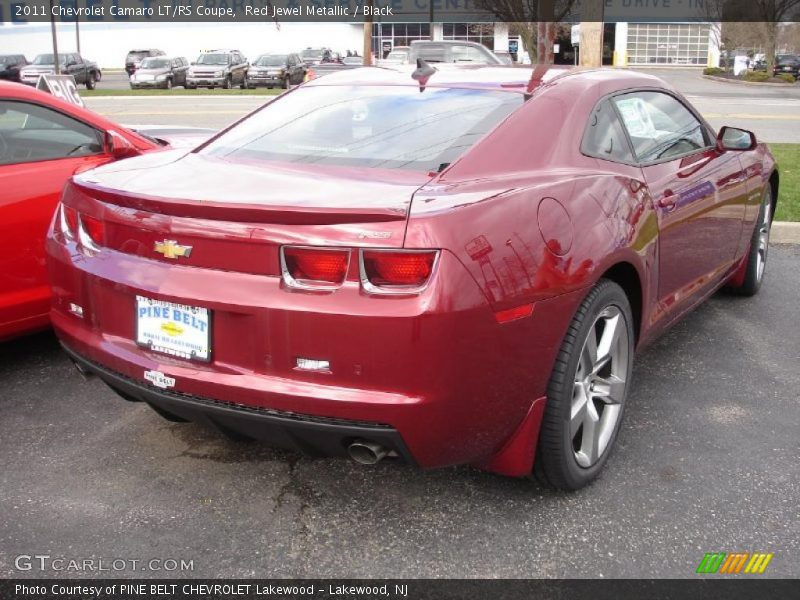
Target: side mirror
x=732 y=138
x=118 y=147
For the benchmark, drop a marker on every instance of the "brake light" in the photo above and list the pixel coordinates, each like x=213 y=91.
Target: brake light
x=314 y=267
x=94 y=228
x=393 y=271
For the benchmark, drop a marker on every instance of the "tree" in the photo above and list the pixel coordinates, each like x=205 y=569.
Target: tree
x=523 y=16
x=771 y=13
x=762 y=17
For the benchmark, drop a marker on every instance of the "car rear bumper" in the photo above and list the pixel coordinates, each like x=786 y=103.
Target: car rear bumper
x=438 y=369
x=316 y=436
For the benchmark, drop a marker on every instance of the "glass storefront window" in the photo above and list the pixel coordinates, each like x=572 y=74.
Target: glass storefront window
x=668 y=43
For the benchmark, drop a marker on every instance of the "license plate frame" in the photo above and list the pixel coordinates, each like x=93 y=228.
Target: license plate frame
x=161 y=332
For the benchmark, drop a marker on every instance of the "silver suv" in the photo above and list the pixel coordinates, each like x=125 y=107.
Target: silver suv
x=218 y=68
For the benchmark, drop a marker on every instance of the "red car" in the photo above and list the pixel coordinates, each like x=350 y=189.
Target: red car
x=43 y=142
x=442 y=267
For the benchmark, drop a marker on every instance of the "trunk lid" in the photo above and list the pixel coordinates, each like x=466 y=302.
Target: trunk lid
x=235 y=216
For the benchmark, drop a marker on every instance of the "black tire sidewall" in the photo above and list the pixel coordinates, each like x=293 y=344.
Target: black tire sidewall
x=752 y=283
x=558 y=461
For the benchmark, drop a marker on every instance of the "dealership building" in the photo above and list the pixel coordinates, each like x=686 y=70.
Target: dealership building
x=107 y=43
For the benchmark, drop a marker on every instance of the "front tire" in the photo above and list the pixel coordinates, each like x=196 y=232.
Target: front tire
x=228 y=84
x=587 y=390
x=759 y=249
x=91 y=82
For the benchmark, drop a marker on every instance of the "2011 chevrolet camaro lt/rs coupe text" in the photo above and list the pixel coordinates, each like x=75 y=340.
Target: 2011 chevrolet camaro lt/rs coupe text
x=442 y=267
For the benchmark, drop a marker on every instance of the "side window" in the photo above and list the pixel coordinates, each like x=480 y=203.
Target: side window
x=31 y=133
x=604 y=137
x=660 y=127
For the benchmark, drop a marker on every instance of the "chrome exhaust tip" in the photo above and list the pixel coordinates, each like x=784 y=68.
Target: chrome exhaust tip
x=366 y=453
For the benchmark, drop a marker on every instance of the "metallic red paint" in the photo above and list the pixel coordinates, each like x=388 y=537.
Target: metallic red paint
x=522 y=219
x=30 y=193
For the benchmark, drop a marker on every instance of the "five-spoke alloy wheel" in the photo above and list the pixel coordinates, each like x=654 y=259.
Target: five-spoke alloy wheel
x=587 y=390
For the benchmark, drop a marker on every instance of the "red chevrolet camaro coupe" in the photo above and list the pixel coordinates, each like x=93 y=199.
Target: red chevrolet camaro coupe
x=443 y=267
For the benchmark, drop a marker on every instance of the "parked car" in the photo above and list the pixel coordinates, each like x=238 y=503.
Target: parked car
x=134 y=58
x=218 y=68
x=787 y=63
x=449 y=289
x=10 y=65
x=451 y=51
x=276 y=70
x=353 y=61
x=505 y=57
x=43 y=142
x=315 y=56
x=85 y=72
x=398 y=56
x=160 y=72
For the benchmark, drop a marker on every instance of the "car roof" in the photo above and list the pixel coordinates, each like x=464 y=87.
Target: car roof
x=510 y=78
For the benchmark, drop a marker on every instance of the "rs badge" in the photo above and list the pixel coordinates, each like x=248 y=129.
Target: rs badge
x=172 y=249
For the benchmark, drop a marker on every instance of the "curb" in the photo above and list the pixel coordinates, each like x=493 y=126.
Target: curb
x=784 y=232
x=737 y=82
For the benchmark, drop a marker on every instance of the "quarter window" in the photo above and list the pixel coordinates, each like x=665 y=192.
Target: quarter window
x=31 y=133
x=660 y=127
x=605 y=136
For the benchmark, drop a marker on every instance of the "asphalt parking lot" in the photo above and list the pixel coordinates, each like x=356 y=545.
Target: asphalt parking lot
x=706 y=461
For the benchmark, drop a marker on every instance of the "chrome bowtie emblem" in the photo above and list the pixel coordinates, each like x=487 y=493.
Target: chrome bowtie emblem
x=172 y=249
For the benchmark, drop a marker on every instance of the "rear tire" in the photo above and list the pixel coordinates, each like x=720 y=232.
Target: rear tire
x=759 y=249
x=587 y=390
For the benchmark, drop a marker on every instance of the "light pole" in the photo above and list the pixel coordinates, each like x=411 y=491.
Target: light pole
x=55 y=38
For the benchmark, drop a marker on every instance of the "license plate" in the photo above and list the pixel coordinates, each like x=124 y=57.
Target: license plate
x=174 y=329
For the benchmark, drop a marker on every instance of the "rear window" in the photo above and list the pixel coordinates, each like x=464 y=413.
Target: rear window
x=368 y=126
x=137 y=55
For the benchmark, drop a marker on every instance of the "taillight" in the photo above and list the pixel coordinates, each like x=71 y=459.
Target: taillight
x=89 y=232
x=94 y=228
x=396 y=271
x=71 y=220
x=314 y=267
